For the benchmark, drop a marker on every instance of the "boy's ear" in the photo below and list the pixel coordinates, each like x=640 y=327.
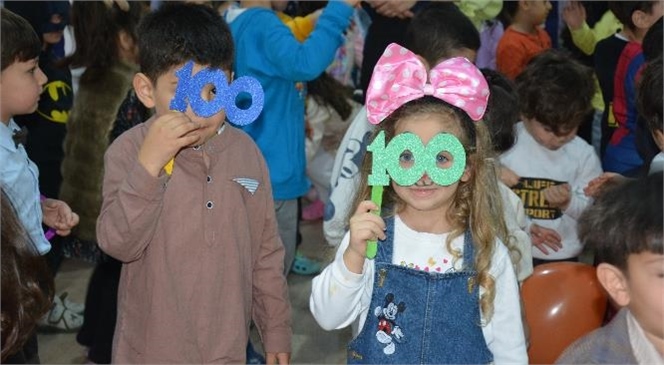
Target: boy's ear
x=641 y=19
x=144 y=90
x=615 y=283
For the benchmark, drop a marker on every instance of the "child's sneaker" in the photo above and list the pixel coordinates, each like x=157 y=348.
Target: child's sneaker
x=60 y=319
x=303 y=265
x=253 y=356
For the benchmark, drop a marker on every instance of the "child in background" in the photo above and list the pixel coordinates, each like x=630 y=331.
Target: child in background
x=624 y=227
x=607 y=55
x=186 y=287
x=501 y=116
x=621 y=155
x=438 y=243
x=434 y=41
x=650 y=107
x=524 y=38
x=650 y=100
x=109 y=71
x=285 y=65
x=21 y=82
x=46 y=132
x=27 y=289
x=549 y=165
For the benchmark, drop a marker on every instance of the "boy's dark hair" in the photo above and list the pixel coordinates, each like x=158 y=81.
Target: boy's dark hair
x=649 y=93
x=96 y=29
x=177 y=33
x=19 y=41
x=556 y=91
x=509 y=10
x=435 y=39
x=502 y=110
x=625 y=220
x=652 y=41
x=623 y=10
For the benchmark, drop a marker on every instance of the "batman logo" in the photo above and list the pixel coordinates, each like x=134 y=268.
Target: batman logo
x=56 y=93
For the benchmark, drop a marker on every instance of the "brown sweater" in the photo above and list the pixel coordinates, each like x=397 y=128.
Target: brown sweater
x=202 y=254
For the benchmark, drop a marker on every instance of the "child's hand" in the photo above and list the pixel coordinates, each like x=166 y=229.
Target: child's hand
x=57 y=214
x=558 y=196
x=167 y=136
x=365 y=225
x=393 y=9
x=508 y=177
x=278 y=358
x=604 y=181
x=574 y=15
x=545 y=237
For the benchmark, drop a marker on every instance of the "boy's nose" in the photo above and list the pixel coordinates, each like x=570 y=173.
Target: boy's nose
x=41 y=77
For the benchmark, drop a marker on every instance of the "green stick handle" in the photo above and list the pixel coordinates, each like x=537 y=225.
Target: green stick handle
x=377 y=198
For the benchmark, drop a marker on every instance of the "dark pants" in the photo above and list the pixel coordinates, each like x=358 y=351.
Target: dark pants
x=101 y=309
x=29 y=354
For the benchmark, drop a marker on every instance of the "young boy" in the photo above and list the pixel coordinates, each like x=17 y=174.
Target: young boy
x=618 y=60
x=282 y=68
x=199 y=242
x=21 y=82
x=549 y=165
x=624 y=227
x=524 y=38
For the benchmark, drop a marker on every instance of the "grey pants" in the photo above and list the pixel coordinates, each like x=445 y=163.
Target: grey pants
x=286 y=212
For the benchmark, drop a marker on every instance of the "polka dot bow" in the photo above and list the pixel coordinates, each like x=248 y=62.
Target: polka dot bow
x=400 y=77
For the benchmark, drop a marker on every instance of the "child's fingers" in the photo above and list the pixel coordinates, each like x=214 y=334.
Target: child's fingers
x=542 y=248
x=366 y=206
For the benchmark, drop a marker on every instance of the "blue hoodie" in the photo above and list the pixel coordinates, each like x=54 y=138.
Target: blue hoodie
x=267 y=50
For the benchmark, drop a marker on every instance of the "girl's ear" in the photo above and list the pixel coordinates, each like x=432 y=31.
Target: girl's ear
x=144 y=90
x=467 y=173
x=615 y=283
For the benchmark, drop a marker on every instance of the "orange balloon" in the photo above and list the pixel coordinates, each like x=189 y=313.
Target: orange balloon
x=563 y=301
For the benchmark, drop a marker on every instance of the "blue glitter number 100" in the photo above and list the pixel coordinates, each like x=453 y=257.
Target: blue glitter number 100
x=190 y=86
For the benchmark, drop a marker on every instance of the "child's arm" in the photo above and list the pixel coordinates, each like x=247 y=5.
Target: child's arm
x=507 y=341
x=271 y=306
x=583 y=36
x=588 y=168
x=58 y=215
x=133 y=188
x=342 y=292
x=305 y=61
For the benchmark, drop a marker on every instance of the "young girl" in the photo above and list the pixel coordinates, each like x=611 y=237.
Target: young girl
x=441 y=288
x=106 y=46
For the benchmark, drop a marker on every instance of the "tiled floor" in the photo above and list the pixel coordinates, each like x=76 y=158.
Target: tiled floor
x=311 y=344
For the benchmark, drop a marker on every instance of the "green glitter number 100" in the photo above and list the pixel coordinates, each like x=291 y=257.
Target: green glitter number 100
x=387 y=159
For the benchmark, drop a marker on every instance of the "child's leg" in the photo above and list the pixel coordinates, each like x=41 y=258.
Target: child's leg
x=286 y=212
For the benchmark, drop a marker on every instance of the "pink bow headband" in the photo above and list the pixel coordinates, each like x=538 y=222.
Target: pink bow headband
x=400 y=77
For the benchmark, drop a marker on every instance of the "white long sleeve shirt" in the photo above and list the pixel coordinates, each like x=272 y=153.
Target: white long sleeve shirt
x=340 y=297
x=575 y=163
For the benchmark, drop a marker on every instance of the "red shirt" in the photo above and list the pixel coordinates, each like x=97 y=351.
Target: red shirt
x=516 y=49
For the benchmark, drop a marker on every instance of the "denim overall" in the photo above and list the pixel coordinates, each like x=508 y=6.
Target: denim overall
x=419 y=317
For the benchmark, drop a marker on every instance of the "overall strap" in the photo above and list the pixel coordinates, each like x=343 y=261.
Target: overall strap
x=468 y=252
x=386 y=248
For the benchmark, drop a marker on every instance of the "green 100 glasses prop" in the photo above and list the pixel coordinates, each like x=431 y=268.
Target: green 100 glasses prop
x=406 y=159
